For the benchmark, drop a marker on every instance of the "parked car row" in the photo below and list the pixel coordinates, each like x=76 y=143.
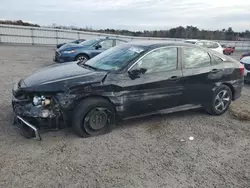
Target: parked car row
x=82 y=50
x=125 y=81
x=228 y=49
x=246 y=54
x=207 y=44
x=246 y=62
x=85 y=50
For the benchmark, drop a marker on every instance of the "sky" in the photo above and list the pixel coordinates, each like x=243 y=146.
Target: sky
x=131 y=14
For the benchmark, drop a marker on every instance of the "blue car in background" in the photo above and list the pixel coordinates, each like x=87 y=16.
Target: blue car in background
x=78 y=41
x=85 y=50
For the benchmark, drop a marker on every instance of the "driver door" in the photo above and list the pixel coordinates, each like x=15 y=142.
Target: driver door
x=104 y=45
x=157 y=87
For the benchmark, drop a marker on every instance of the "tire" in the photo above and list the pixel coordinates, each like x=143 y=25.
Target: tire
x=216 y=108
x=93 y=116
x=82 y=58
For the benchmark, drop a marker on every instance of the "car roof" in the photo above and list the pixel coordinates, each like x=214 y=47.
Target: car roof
x=192 y=40
x=150 y=45
x=112 y=38
x=155 y=44
x=197 y=40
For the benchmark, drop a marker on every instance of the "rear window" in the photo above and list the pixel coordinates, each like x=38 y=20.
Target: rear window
x=216 y=59
x=208 y=44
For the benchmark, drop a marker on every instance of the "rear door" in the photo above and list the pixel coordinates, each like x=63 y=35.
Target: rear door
x=158 y=88
x=196 y=68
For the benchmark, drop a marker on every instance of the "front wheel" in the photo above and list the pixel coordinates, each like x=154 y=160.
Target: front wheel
x=82 y=58
x=93 y=116
x=221 y=100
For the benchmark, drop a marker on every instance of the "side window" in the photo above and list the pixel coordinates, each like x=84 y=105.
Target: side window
x=194 y=58
x=160 y=60
x=216 y=60
x=119 y=42
x=106 y=44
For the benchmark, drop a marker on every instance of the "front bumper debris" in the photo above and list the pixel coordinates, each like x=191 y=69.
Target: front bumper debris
x=30 y=126
x=33 y=120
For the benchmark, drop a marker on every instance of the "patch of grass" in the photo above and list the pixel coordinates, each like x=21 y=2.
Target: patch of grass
x=153 y=127
x=241 y=114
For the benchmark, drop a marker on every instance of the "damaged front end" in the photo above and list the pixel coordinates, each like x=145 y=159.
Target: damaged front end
x=36 y=112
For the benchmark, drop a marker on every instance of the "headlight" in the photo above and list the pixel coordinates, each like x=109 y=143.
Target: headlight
x=68 y=52
x=37 y=101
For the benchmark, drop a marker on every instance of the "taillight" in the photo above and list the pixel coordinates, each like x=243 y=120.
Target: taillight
x=241 y=69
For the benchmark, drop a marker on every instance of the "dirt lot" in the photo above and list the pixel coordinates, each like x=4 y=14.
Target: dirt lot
x=140 y=153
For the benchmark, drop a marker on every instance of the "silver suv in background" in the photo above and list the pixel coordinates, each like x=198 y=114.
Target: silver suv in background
x=207 y=44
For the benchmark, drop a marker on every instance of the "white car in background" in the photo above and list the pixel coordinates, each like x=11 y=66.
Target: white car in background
x=207 y=44
x=246 y=62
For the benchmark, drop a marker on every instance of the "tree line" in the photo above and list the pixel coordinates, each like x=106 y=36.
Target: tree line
x=18 y=22
x=188 y=32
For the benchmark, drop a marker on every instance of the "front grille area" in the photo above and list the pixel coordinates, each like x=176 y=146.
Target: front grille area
x=57 y=55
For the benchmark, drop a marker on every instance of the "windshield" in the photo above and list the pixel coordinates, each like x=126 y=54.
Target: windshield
x=89 y=42
x=115 y=58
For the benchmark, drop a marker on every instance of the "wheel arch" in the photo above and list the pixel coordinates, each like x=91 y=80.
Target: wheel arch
x=82 y=53
x=231 y=88
x=97 y=97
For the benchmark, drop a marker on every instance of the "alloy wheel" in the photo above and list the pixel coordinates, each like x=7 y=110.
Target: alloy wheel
x=222 y=101
x=82 y=59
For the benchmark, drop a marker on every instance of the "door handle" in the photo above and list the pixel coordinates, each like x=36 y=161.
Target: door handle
x=174 y=77
x=215 y=70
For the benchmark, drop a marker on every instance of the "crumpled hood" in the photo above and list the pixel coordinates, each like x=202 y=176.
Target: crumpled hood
x=60 y=77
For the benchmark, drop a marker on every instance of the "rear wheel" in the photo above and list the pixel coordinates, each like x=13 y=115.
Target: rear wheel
x=93 y=116
x=221 y=100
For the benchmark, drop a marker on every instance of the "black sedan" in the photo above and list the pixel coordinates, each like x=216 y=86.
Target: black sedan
x=130 y=80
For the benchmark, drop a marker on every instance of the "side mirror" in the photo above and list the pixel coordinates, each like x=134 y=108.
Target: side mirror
x=98 y=46
x=136 y=73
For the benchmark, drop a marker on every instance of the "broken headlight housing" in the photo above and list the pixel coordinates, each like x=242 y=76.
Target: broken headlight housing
x=40 y=101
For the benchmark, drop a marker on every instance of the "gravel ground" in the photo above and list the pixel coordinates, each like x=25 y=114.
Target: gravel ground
x=140 y=153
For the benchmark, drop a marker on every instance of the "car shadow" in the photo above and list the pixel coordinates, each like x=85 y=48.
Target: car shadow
x=157 y=118
x=123 y=124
